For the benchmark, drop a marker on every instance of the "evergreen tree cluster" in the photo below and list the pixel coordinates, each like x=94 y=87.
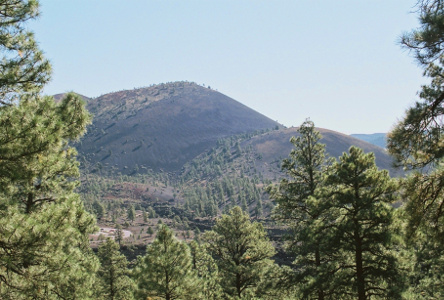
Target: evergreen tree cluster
x=232 y=261
x=346 y=236
x=44 y=246
x=221 y=195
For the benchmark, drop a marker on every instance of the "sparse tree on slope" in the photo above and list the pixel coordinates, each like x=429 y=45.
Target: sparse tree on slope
x=98 y=209
x=131 y=213
x=118 y=235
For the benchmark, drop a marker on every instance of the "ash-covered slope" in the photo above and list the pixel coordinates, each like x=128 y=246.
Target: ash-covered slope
x=163 y=126
x=273 y=146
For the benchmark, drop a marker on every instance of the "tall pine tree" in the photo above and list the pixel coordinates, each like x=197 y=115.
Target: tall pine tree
x=207 y=271
x=24 y=70
x=417 y=141
x=114 y=282
x=360 y=196
x=242 y=253
x=304 y=168
x=44 y=247
x=166 y=269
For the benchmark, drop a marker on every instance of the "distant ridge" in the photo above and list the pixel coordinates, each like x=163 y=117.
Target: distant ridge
x=274 y=146
x=378 y=139
x=59 y=97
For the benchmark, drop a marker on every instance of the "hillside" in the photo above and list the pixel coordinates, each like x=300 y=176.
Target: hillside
x=261 y=155
x=275 y=145
x=163 y=126
x=183 y=150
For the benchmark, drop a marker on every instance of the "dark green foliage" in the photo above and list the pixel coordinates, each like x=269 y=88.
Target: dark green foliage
x=207 y=271
x=44 y=247
x=296 y=207
x=360 y=224
x=24 y=70
x=98 y=209
x=242 y=253
x=114 y=282
x=166 y=269
x=417 y=141
x=424 y=231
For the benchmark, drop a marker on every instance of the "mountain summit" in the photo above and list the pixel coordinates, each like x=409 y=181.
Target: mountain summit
x=163 y=126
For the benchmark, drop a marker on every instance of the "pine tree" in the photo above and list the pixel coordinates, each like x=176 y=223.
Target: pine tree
x=131 y=213
x=242 y=253
x=417 y=142
x=258 y=210
x=305 y=168
x=244 y=204
x=206 y=270
x=166 y=269
x=360 y=196
x=115 y=284
x=150 y=231
x=98 y=209
x=44 y=246
x=118 y=235
x=24 y=70
x=151 y=212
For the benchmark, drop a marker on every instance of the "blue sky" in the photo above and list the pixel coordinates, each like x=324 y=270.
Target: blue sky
x=337 y=62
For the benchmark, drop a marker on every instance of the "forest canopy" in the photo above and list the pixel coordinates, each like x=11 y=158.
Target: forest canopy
x=350 y=230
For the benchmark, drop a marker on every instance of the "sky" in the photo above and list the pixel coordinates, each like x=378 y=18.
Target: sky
x=338 y=63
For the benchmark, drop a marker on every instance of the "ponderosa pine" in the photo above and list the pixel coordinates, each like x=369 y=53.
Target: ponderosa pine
x=113 y=280
x=242 y=253
x=361 y=197
x=166 y=270
x=305 y=168
x=417 y=142
x=44 y=246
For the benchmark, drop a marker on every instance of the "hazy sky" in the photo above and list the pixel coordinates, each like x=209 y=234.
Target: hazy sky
x=337 y=62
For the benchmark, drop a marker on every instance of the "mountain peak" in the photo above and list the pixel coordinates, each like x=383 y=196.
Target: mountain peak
x=164 y=125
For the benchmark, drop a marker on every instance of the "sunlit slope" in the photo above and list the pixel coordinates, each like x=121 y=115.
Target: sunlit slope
x=273 y=146
x=163 y=126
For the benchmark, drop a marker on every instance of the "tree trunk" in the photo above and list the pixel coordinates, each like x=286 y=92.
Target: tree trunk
x=318 y=264
x=359 y=268
x=238 y=285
